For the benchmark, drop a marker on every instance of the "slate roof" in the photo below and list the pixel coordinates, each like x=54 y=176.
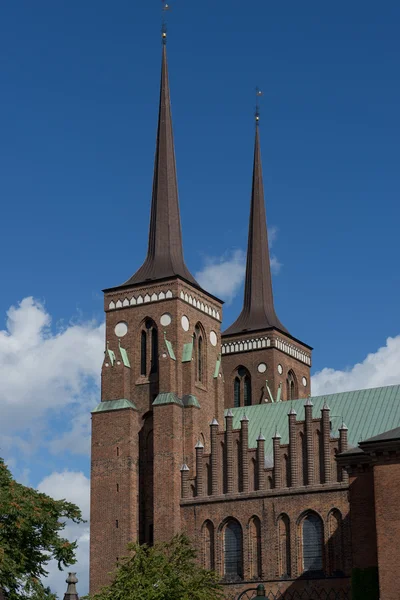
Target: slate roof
x=367 y=413
x=387 y=436
x=258 y=310
x=165 y=252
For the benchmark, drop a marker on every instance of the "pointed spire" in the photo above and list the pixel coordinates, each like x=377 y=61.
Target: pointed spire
x=258 y=307
x=165 y=253
x=71 y=593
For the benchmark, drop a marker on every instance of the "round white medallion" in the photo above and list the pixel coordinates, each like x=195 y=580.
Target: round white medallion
x=165 y=319
x=304 y=380
x=185 y=323
x=121 y=329
x=213 y=338
x=262 y=367
x=280 y=369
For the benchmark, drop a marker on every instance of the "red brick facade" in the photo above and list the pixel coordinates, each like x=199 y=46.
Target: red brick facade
x=164 y=461
x=161 y=468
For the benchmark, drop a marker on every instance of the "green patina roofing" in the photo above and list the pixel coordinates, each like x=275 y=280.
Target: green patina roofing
x=217 y=366
x=124 y=356
x=367 y=413
x=190 y=400
x=187 y=351
x=167 y=398
x=114 y=405
x=169 y=347
x=111 y=355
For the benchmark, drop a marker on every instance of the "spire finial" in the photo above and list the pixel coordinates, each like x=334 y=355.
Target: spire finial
x=165 y=8
x=257 y=113
x=258 y=310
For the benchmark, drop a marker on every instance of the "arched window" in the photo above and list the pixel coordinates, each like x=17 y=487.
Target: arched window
x=143 y=353
x=312 y=544
x=291 y=386
x=154 y=350
x=233 y=550
x=236 y=396
x=200 y=360
x=199 y=353
x=241 y=387
x=255 y=547
x=148 y=348
x=335 y=544
x=208 y=545
x=247 y=390
x=284 y=546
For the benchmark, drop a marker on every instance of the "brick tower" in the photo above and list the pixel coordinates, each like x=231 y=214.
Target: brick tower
x=262 y=361
x=161 y=380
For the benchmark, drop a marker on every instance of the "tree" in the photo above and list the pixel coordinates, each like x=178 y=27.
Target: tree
x=30 y=527
x=166 y=571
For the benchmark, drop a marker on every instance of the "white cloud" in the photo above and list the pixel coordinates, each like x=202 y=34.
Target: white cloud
x=377 y=369
x=44 y=373
x=74 y=487
x=224 y=275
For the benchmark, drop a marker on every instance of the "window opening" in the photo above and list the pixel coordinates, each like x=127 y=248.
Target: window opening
x=233 y=550
x=312 y=544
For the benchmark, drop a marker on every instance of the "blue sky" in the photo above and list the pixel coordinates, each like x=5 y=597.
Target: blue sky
x=79 y=93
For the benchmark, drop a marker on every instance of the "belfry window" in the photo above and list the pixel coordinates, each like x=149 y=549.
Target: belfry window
x=154 y=350
x=233 y=550
x=247 y=390
x=143 y=353
x=148 y=348
x=312 y=544
x=236 y=386
x=241 y=387
x=199 y=353
x=291 y=386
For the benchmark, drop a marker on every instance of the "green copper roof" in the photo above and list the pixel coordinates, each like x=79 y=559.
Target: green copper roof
x=124 y=356
x=190 y=400
x=114 y=405
x=187 y=351
x=366 y=413
x=217 y=366
x=167 y=398
x=169 y=347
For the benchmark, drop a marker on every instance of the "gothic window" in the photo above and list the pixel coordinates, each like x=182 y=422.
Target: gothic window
x=208 y=546
x=199 y=353
x=284 y=546
x=148 y=348
x=241 y=387
x=312 y=544
x=233 y=550
x=335 y=544
x=255 y=547
x=143 y=353
x=154 y=350
x=291 y=386
x=247 y=391
x=236 y=385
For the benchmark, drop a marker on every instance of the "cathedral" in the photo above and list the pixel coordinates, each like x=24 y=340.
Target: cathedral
x=216 y=433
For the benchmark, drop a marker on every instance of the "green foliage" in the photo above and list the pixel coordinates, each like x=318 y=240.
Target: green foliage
x=166 y=571
x=365 y=584
x=30 y=526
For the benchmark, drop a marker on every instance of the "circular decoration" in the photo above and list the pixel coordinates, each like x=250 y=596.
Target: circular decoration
x=165 y=319
x=185 y=323
x=121 y=329
x=262 y=367
x=213 y=338
x=304 y=380
x=280 y=369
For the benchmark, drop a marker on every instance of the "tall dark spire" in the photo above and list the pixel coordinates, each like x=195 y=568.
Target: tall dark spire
x=258 y=310
x=165 y=252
